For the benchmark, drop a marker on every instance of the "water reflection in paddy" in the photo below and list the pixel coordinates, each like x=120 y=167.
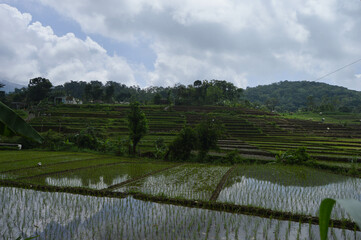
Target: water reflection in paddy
x=69 y=216
x=304 y=199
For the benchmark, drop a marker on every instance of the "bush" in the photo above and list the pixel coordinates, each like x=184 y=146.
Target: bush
x=160 y=148
x=52 y=140
x=88 y=138
x=180 y=149
x=298 y=156
x=233 y=157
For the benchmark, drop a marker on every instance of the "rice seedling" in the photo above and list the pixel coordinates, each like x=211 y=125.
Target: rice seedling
x=67 y=216
x=100 y=177
x=196 y=181
x=296 y=195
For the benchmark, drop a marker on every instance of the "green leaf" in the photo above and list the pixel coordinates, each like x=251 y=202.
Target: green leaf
x=352 y=207
x=11 y=124
x=324 y=219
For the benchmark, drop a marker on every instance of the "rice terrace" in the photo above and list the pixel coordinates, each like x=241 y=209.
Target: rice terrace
x=241 y=189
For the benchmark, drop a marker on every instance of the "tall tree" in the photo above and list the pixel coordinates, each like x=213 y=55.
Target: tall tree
x=137 y=124
x=208 y=133
x=38 y=89
x=109 y=92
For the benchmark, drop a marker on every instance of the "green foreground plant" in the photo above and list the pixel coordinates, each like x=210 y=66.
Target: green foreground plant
x=352 y=207
x=12 y=124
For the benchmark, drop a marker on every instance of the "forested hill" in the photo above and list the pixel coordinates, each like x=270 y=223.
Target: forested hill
x=313 y=96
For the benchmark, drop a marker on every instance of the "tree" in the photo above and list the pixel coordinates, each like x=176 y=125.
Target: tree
x=38 y=89
x=137 y=124
x=186 y=141
x=109 y=92
x=157 y=98
x=2 y=93
x=208 y=133
x=96 y=90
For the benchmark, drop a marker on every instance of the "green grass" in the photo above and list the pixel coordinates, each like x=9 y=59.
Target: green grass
x=52 y=159
x=330 y=117
x=63 y=167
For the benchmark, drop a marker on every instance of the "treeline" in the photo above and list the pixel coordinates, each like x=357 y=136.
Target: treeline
x=303 y=95
x=213 y=92
x=283 y=96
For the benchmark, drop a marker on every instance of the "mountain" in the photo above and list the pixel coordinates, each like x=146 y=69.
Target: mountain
x=9 y=86
x=316 y=96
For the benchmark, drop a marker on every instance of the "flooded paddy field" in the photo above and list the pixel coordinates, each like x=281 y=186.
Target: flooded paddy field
x=268 y=187
x=68 y=216
x=191 y=181
x=296 y=189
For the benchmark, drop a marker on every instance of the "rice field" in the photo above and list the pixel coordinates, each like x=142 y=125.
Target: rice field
x=100 y=177
x=288 y=188
x=195 y=182
x=28 y=213
x=59 y=215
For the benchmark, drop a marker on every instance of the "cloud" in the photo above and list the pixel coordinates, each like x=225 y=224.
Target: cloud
x=30 y=50
x=245 y=42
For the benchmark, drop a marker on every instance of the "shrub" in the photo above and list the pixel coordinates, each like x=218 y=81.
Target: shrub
x=52 y=140
x=160 y=148
x=298 y=156
x=208 y=133
x=180 y=149
x=88 y=138
x=233 y=157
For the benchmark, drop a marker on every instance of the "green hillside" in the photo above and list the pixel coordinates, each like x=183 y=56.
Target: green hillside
x=304 y=95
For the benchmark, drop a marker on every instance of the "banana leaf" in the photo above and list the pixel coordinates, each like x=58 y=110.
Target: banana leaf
x=12 y=124
x=352 y=207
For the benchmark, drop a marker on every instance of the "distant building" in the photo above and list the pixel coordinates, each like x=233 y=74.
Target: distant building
x=67 y=100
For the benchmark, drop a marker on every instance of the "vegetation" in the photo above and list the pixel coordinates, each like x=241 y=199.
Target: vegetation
x=351 y=206
x=137 y=124
x=12 y=124
x=207 y=119
x=312 y=96
x=297 y=156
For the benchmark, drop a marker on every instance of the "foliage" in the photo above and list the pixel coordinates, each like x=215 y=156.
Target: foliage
x=297 y=156
x=233 y=157
x=180 y=149
x=53 y=140
x=88 y=138
x=208 y=132
x=311 y=96
x=38 y=89
x=137 y=125
x=351 y=206
x=12 y=124
x=203 y=138
x=160 y=148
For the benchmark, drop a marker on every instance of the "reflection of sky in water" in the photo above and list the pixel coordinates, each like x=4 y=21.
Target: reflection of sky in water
x=70 y=216
x=78 y=182
x=250 y=191
x=186 y=182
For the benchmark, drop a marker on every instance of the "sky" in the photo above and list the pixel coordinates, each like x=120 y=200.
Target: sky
x=163 y=43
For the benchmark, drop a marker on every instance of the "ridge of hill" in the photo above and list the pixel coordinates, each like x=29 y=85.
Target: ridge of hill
x=295 y=95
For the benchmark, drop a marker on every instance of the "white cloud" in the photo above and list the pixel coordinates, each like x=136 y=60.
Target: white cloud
x=246 y=42
x=31 y=50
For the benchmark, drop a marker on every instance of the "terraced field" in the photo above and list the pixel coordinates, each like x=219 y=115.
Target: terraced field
x=84 y=196
x=253 y=133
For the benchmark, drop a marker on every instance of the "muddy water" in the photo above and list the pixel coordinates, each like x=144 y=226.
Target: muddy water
x=68 y=216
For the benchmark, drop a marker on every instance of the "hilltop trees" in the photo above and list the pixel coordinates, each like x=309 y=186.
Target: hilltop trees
x=38 y=89
x=137 y=124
